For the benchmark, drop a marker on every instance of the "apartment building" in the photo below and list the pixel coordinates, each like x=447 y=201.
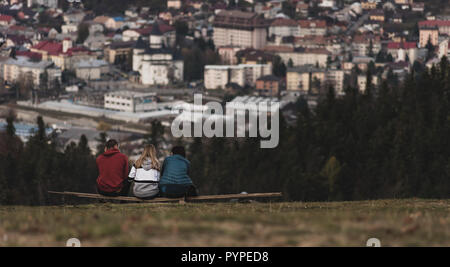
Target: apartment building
x=305 y=78
x=284 y=27
x=302 y=56
x=363 y=44
x=362 y=82
x=218 y=76
x=312 y=79
x=431 y=29
x=238 y=28
x=20 y=69
x=269 y=85
x=313 y=27
x=401 y=50
x=335 y=78
x=129 y=101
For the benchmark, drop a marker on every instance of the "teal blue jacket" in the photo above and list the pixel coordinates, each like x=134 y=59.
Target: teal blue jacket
x=175 y=171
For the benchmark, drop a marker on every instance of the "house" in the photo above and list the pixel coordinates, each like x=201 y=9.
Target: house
x=175 y=4
x=168 y=33
x=119 y=52
x=400 y=51
x=369 y=4
x=73 y=16
x=302 y=9
x=254 y=56
x=397 y=18
x=428 y=33
x=377 y=15
x=46 y=3
x=69 y=28
x=17 y=40
x=418 y=7
x=269 y=85
x=6 y=20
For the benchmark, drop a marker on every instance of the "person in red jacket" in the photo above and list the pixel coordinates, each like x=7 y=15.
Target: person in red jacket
x=113 y=171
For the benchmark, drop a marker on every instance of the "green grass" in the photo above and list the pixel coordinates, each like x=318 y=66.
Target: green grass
x=411 y=222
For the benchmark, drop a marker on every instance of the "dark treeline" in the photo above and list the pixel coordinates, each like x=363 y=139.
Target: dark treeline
x=28 y=171
x=392 y=142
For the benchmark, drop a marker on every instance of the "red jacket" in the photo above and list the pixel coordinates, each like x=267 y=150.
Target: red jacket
x=113 y=170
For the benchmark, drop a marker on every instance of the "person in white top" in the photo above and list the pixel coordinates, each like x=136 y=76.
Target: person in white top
x=145 y=174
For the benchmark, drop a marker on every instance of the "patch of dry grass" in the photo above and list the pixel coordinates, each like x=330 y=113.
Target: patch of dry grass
x=411 y=222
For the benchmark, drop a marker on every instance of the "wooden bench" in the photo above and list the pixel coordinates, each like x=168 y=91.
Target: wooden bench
x=168 y=200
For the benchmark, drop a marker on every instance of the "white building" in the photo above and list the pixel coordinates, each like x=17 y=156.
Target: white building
x=284 y=27
x=156 y=64
x=362 y=82
x=47 y=3
x=218 y=76
x=301 y=57
x=15 y=70
x=130 y=101
x=237 y=28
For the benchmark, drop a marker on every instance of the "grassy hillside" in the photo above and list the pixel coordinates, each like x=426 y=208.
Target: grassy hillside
x=394 y=222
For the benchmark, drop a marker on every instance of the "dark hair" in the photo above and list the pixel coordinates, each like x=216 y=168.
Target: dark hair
x=111 y=144
x=179 y=150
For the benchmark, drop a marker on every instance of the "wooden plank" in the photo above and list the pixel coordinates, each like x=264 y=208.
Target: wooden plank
x=156 y=200
x=130 y=199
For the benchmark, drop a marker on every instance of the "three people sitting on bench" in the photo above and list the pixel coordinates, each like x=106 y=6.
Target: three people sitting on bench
x=173 y=181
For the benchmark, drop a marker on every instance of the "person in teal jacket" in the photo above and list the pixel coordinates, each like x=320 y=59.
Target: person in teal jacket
x=175 y=181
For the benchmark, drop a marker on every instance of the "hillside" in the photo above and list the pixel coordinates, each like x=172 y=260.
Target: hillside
x=411 y=222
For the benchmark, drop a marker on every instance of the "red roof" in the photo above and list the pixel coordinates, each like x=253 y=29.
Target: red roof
x=6 y=18
x=55 y=48
x=312 y=23
x=434 y=23
x=29 y=54
x=77 y=49
x=404 y=45
x=284 y=22
x=51 y=47
x=162 y=27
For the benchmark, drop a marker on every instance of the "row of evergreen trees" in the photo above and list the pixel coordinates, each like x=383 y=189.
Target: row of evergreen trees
x=388 y=142
x=28 y=171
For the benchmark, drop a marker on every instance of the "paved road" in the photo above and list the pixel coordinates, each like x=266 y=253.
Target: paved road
x=357 y=24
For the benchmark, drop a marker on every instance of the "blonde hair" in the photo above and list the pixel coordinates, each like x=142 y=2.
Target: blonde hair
x=149 y=152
